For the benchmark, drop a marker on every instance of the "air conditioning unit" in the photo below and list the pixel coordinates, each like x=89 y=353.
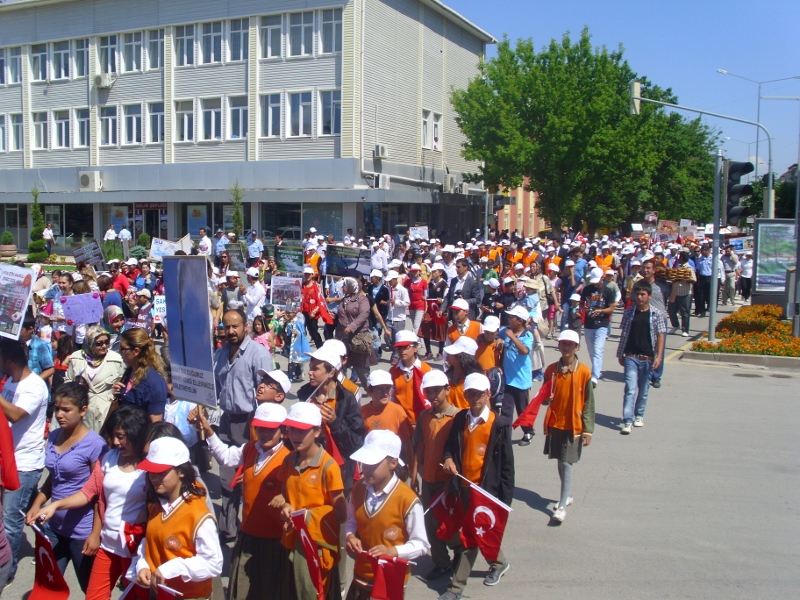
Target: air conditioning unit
x=381 y=152
x=103 y=81
x=449 y=184
x=90 y=180
x=382 y=182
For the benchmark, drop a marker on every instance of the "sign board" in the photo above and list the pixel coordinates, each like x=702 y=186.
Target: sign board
x=742 y=244
x=286 y=289
x=16 y=286
x=159 y=248
x=81 y=309
x=191 y=348
x=159 y=308
x=421 y=233
x=289 y=259
x=91 y=254
x=197 y=217
x=775 y=248
x=119 y=217
x=685 y=223
x=650 y=220
x=348 y=262
x=236 y=254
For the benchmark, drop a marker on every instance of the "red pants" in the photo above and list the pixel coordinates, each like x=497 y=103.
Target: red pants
x=106 y=571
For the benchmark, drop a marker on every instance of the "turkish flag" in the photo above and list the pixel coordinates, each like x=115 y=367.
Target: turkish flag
x=134 y=591
x=309 y=550
x=528 y=416
x=390 y=577
x=447 y=510
x=49 y=583
x=484 y=523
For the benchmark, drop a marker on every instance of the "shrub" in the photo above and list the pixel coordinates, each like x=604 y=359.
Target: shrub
x=37 y=251
x=750 y=319
x=36 y=217
x=139 y=252
x=112 y=250
x=7 y=239
x=143 y=240
x=753 y=330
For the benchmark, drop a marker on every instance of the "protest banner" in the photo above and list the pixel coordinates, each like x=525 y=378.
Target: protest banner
x=650 y=221
x=159 y=308
x=286 y=290
x=16 y=286
x=348 y=262
x=236 y=254
x=90 y=253
x=667 y=231
x=81 y=309
x=421 y=233
x=289 y=259
x=742 y=244
x=685 y=222
x=191 y=349
x=160 y=248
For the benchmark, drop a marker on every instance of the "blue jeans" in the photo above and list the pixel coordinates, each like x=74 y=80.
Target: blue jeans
x=655 y=374
x=66 y=549
x=565 y=315
x=595 y=344
x=14 y=521
x=637 y=386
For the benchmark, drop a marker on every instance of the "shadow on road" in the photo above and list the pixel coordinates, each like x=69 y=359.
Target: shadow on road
x=533 y=500
x=613 y=376
x=606 y=421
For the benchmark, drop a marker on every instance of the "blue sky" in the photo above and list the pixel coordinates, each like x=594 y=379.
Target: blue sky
x=681 y=44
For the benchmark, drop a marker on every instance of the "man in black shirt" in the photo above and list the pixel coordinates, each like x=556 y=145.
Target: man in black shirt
x=599 y=302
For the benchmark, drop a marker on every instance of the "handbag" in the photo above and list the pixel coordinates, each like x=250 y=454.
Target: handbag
x=361 y=343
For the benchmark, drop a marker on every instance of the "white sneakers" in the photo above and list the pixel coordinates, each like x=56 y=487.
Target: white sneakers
x=560 y=515
x=626 y=429
x=638 y=422
x=674 y=330
x=554 y=505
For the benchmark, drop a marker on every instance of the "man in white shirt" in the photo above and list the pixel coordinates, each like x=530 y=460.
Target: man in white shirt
x=204 y=246
x=24 y=404
x=398 y=302
x=349 y=238
x=380 y=260
x=111 y=234
x=254 y=295
x=746 y=275
x=124 y=234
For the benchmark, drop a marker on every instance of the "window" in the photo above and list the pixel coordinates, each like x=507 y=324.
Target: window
x=40 y=130
x=184 y=45
x=108 y=125
x=437 y=132
x=239 y=113
x=271 y=115
x=61 y=60
x=271 y=36
x=132 y=52
x=2 y=133
x=212 y=42
x=15 y=65
x=81 y=58
x=332 y=30
x=156 y=112
x=331 y=121
x=184 y=119
x=39 y=62
x=155 y=49
x=108 y=54
x=240 y=29
x=2 y=66
x=133 y=123
x=82 y=127
x=301 y=114
x=212 y=119
x=61 y=124
x=301 y=34
x=17 y=133
x=426 y=128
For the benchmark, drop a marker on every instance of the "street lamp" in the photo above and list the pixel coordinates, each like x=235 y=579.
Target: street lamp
x=758 y=111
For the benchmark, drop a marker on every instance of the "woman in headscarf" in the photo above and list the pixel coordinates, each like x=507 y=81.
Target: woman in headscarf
x=101 y=368
x=352 y=319
x=114 y=325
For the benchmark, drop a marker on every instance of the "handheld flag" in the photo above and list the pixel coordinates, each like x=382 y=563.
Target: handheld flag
x=447 y=510
x=49 y=583
x=528 y=416
x=309 y=550
x=390 y=578
x=485 y=523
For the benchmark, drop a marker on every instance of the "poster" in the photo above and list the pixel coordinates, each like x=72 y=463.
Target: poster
x=289 y=259
x=775 y=252
x=119 y=217
x=227 y=217
x=742 y=244
x=236 y=253
x=16 y=285
x=285 y=290
x=348 y=262
x=650 y=220
x=191 y=349
x=160 y=248
x=159 y=308
x=197 y=217
x=667 y=231
x=80 y=309
x=685 y=223
x=90 y=253
x=420 y=233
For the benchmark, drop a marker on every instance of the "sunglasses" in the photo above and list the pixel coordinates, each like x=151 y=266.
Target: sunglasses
x=102 y=343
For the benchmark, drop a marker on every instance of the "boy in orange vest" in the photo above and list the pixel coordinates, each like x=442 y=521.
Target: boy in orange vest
x=407 y=375
x=381 y=413
x=461 y=322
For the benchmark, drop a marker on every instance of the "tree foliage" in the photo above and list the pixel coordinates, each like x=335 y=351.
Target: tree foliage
x=236 y=200
x=785 y=198
x=37 y=248
x=560 y=117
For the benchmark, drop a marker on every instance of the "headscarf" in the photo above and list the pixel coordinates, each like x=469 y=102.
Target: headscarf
x=110 y=314
x=92 y=333
x=351 y=285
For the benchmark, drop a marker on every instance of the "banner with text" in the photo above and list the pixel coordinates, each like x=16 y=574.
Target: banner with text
x=348 y=262
x=16 y=286
x=289 y=259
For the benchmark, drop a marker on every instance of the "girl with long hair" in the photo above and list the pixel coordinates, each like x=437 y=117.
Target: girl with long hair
x=144 y=382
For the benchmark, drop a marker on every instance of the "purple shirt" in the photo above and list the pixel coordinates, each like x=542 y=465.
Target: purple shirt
x=70 y=471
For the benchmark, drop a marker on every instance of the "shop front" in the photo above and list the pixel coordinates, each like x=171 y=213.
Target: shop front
x=150 y=218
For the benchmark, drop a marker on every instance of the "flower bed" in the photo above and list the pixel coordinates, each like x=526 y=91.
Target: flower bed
x=753 y=330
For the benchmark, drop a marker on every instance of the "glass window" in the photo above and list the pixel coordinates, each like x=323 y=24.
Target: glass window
x=39 y=62
x=61 y=60
x=184 y=131
x=212 y=42
x=271 y=115
x=17 y=132
x=108 y=125
x=331 y=121
x=132 y=52
x=332 y=30
x=133 y=124
x=271 y=36
x=82 y=126
x=184 y=45
x=240 y=29
x=39 y=130
x=81 y=58
x=279 y=218
x=426 y=128
x=108 y=54
x=325 y=217
x=156 y=112
x=15 y=65
x=212 y=118
x=437 y=132
x=238 y=117
x=61 y=124
x=301 y=113
x=155 y=49
x=301 y=34
x=2 y=66
x=2 y=133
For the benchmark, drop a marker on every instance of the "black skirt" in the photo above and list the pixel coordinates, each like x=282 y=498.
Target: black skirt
x=563 y=445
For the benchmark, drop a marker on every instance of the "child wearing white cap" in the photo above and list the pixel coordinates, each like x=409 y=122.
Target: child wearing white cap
x=382 y=412
x=407 y=375
x=384 y=515
x=460 y=361
x=259 y=561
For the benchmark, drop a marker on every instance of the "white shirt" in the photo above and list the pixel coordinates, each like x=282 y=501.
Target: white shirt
x=481 y=418
x=124 y=234
x=379 y=260
x=397 y=308
x=204 y=246
x=417 y=543
x=254 y=298
x=459 y=284
x=126 y=502
x=233 y=456
x=450 y=271
x=30 y=395
x=746 y=265
x=47 y=234
x=110 y=235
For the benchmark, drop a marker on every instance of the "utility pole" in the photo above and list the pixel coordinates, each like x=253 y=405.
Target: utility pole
x=719 y=177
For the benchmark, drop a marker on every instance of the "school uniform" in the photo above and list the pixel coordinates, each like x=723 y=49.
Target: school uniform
x=407 y=384
x=389 y=416
x=471 y=329
x=571 y=411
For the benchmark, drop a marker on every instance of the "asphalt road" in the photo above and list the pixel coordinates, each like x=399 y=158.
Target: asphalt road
x=699 y=503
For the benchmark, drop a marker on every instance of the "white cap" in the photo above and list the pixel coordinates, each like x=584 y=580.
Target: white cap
x=394 y=263
x=336 y=346
x=231 y=274
x=144 y=292
x=414 y=267
x=491 y=324
x=493 y=283
x=252 y=272
x=392 y=275
x=553 y=267
x=519 y=266
x=477 y=381
x=449 y=248
x=269 y=414
x=434 y=378
x=164 y=454
x=463 y=345
x=460 y=304
x=376 y=273
x=636 y=263
x=568 y=335
x=378 y=444
x=508 y=280
x=132 y=262
x=519 y=311
x=437 y=267
x=576 y=297
x=569 y=263
x=278 y=377
x=312 y=229
x=379 y=377
x=308 y=270
x=327 y=355
x=595 y=275
x=404 y=337
x=303 y=415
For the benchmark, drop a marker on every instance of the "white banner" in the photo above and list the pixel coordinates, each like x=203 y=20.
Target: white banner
x=16 y=286
x=159 y=308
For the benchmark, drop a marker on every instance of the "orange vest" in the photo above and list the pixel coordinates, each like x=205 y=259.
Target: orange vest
x=259 y=487
x=473 y=331
x=488 y=355
x=434 y=435
x=389 y=416
x=387 y=526
x=456 y=396
x=314 y=262
x=173 y=536
x=350 y=385
x=404 y=390
x=475 y=443
x=569 y=398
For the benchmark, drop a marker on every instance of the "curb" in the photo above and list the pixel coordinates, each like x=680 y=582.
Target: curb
x=757 y=360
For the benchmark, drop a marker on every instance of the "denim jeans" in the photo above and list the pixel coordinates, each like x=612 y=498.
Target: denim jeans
x=565 y=315
x=394 y=327
x=656 y=374
x=68 y=550
x=595 y=344
x=14 y=521
x=637 y=386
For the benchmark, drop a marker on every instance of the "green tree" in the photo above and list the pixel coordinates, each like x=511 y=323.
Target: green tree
x=37 y=248
x=236 y=200
x=785 y=198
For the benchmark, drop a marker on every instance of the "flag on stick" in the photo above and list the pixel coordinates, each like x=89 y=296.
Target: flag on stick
x=49 y=583
x=484 y=523
x=309 y=550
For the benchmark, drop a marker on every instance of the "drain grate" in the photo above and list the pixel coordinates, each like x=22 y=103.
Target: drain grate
x=780 y=376
x=747 y=375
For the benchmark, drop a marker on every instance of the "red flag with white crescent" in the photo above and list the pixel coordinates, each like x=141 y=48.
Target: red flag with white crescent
x=309 y=550
x=49 y=583
x=447 y=510
x=484 y=523
x=390 y=577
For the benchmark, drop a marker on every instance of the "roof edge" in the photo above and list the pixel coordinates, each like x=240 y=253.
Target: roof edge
x=446 y=11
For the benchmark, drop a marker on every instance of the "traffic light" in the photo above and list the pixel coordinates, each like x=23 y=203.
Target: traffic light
x=501 y=200
x=736 y=191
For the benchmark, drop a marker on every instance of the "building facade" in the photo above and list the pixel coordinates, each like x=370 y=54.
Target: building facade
x=328 y=113
x=522 y=216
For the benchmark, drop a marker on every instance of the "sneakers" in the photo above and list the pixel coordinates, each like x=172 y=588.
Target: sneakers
x=554 y=505
x=684 y=334
x=656 y=383
x=638 y=422
x=526 y=439
x=559 y=515
x=626 y=429
x=449 y=596
x=493 y=578
x=674 y=330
